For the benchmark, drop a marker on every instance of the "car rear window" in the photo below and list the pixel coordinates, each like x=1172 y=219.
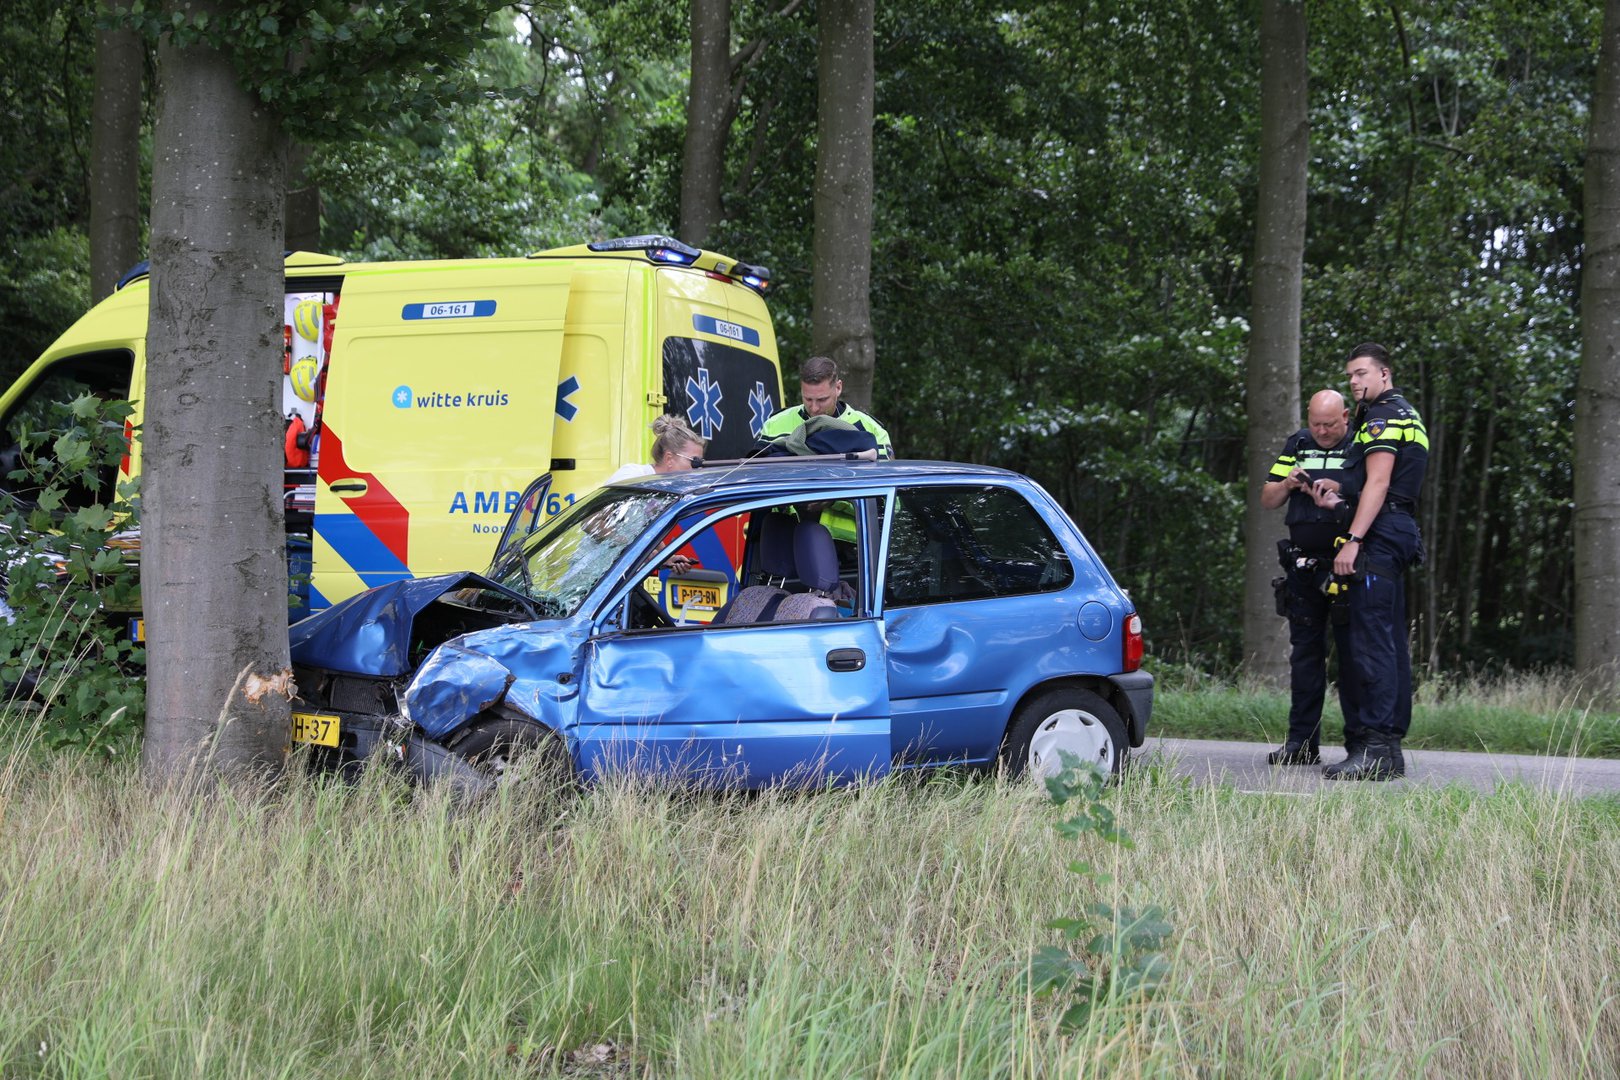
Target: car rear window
x=969 y=543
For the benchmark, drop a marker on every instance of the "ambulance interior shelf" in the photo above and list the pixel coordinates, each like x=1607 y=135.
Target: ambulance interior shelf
x=307 y=346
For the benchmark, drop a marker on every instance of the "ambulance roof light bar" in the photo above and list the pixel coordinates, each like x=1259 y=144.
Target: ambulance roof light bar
x=664 y=249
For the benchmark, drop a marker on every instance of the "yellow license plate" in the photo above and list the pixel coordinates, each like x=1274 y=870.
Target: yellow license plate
x=320 y=729
x=683 y=595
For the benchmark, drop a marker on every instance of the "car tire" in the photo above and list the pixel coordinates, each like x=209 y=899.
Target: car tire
x=1064 y=718
x=494 y=745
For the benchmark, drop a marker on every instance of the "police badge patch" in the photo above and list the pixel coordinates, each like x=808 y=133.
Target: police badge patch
x=1375 y=428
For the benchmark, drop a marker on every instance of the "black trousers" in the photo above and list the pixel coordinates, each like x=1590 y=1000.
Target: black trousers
x=1378 y=630
x=1310 y=627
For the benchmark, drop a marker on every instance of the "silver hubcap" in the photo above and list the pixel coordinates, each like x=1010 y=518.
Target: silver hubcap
x=1075 y=731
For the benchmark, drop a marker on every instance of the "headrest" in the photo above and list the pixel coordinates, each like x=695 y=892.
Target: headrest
x=816 y=556
x=776 y=546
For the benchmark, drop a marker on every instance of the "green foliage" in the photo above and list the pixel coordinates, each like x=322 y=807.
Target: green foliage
x=44 y=286
x=549 y=162
x=45 y=89
x=1122 y=960
x=330 y=68
x=64 y=642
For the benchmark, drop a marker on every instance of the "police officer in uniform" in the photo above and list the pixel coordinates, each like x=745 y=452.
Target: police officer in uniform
x=1383 y=478
x=1315 y=452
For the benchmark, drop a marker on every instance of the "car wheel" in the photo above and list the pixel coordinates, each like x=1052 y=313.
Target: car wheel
x=495 y=747
x=1064 y=719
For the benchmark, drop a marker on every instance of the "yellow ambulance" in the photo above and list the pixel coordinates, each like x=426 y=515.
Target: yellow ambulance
x=422 y=397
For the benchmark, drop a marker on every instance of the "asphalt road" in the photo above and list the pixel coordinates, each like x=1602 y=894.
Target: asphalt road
x=1243 y=765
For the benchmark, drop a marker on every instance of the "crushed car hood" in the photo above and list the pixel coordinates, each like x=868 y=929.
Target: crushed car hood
x=370 y=634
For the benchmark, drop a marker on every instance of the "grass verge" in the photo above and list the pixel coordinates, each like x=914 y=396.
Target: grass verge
x=311 y=929
x=1524 y=714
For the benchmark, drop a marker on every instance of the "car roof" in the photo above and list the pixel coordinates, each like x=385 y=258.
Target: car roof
x=772 y=474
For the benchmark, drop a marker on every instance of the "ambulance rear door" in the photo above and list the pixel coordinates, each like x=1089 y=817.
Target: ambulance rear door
x=439 y=398
x=588 y=441
x=719 y=359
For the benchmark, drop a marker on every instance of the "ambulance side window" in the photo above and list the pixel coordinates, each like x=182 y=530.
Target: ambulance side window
x=105 y=375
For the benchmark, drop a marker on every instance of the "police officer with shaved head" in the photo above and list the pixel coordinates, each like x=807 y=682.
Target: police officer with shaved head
x=1383 y=478
x=1306 y=595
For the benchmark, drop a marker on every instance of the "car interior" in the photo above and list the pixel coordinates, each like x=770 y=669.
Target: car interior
x=790 y=568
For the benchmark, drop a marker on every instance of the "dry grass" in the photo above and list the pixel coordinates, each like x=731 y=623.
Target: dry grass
x=315 y=930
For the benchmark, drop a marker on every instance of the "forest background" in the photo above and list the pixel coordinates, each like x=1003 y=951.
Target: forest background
x=1062 y=245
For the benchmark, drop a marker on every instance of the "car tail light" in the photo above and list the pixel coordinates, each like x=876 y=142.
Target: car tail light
x=1133 y=642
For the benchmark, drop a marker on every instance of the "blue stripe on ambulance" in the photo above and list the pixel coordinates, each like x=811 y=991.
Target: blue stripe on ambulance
x=707 y=324
x=358 y=546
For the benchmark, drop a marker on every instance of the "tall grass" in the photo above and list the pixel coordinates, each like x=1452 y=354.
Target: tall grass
x=310 y=929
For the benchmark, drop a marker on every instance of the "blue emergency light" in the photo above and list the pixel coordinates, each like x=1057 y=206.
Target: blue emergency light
x=757 y=278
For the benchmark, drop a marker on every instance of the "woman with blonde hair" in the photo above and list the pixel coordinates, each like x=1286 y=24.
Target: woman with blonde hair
x=675 y=448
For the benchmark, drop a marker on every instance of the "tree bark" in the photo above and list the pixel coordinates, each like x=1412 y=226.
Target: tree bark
x=1272 y=378
x=303 y=208
x=708 y=110
x=213 y=564
x=1597 y=395
x=115 y=159
x=840 y=300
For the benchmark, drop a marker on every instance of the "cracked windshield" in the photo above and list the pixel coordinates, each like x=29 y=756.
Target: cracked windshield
x=560 y=566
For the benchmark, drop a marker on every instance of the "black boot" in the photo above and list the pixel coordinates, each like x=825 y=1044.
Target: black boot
x=1293 y=753
x=1379 y=758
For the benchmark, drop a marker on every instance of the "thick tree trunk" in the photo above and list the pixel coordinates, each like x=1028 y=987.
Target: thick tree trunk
x=1597 y=396
x=1272 y=380
x=213 y=567
x=840 y=301
x=303 y=209
x=707 y=114
x=115 y=159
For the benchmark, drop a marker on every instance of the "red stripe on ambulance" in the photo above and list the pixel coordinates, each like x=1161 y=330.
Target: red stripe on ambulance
x=377 y=509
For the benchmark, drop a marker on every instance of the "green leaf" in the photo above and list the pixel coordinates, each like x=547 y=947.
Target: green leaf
x=1051 y=968
x=93 y=518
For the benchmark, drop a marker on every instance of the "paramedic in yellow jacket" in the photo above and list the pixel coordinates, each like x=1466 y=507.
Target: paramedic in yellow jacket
x=819 y=388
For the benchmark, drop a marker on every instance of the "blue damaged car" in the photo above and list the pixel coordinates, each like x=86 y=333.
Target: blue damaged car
x=791 y=620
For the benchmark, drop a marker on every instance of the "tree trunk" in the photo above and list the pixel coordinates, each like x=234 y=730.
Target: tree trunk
x=1597 y=395
x=303 y=208
x=115 y=159
x=213 y=565
x=840 y=298
x=707 y=112
x=1272 y=380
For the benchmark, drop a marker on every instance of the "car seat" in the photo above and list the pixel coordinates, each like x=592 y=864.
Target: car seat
x=758 y=603
x=816 y=557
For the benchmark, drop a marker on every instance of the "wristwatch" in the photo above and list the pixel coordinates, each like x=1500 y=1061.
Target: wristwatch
x=1352 y=538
